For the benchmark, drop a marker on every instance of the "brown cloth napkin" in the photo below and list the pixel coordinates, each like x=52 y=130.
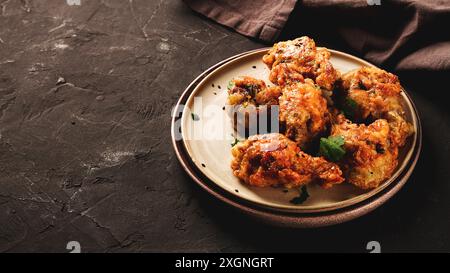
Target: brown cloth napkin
x=261 y=19
x=401 y=35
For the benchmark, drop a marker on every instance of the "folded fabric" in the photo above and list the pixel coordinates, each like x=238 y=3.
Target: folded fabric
x=401 y=35
x=262 y=19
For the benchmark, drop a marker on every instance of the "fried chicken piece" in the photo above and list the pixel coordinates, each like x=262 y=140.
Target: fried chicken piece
x=253 y=102
x=400 y=128
x=374 y=90
x=324 y=71
x=303 y=112
x=296 y=60
x=268 y=96
x=247 y=90
x=274 y=160
x=374 y=94
x=370 y=156
x=367 y=78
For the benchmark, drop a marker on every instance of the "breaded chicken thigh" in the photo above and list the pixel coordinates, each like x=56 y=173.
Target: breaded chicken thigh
x=246 y=90
x=370 y=156
x=376 y=94
x=299 y=59
x=253 y=102
x=303 y=112
x=274 y=160
x=374 y=90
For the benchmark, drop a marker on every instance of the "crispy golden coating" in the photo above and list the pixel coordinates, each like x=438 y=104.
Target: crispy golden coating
x=376 y=94
x=247 y=90
x=368 y=78
x=296 y=60
x=370 y=156
x=248 y=96
x=324 y=71
x=274 y=160
x=400 y=128
x=308 y=108
x=303 y=112
x=374 y=90
x=268 y=96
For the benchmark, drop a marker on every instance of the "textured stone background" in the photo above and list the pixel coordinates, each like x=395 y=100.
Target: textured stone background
x=89 y=158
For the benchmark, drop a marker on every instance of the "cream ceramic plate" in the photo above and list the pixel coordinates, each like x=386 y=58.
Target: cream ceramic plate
x=207 y=133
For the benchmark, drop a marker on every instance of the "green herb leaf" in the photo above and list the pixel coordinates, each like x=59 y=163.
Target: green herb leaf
x=230 y=85
x=236 y=141
x=350 y=108
x=302 y=197
x=332 y=148
x=252 y=89
x=195 y=117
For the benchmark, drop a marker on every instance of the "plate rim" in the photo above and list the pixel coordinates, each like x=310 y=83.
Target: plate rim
x=287 y=207
x=291 y=219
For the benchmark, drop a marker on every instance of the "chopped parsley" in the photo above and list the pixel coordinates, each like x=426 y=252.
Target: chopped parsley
x=302 y=196
x=230 y=85
x=252 y=89
x=195 y=117
x=236 y=141
x=332 y=148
